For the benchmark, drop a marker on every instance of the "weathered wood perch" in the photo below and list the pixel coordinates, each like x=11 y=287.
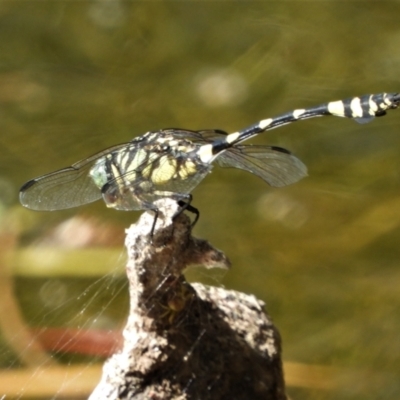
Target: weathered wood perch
x=188 y=341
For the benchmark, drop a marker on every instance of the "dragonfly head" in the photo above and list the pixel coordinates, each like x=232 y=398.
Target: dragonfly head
x=99 y=173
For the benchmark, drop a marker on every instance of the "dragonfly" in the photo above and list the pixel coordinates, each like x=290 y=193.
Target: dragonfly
x=170 y=163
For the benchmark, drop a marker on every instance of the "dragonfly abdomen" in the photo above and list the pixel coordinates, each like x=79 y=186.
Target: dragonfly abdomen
x=362 y=109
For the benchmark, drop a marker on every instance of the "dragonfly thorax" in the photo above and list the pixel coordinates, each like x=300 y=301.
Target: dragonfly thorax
x=158 y=165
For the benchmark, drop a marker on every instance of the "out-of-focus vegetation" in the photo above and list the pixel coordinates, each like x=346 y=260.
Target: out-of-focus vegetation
x=77 y=77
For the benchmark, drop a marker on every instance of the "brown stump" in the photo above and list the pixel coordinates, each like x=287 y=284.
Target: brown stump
x=188 y=341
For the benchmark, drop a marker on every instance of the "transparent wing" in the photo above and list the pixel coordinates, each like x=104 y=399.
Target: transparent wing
x=66 y=188
x=200 y=137
x=275 y=165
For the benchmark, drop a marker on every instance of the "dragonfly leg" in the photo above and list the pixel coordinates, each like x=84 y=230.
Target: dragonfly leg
x=156 y=212
x=185 y=205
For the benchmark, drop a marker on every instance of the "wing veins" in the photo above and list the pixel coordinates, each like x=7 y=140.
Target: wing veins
x=274 y=165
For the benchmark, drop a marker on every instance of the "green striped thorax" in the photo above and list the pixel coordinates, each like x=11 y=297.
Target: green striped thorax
x=153 y=166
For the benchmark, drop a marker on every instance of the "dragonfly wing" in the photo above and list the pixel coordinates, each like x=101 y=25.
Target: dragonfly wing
x=275 y=165
x=200 y=137
x=66 y=188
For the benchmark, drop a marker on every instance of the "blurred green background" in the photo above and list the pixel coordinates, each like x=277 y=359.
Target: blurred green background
x=77 y=77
